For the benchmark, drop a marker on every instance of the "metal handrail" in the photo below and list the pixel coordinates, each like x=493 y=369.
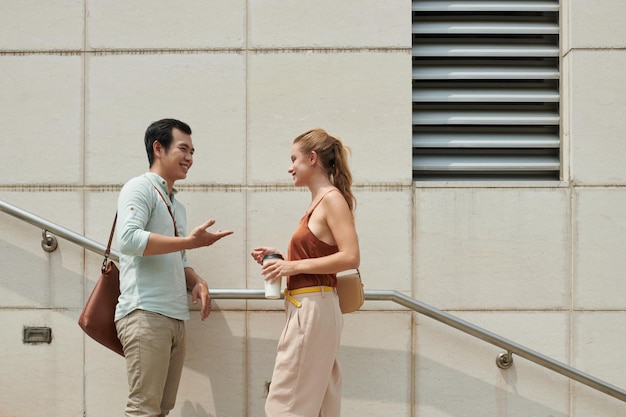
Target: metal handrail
x=48 y=226
x=504 y=360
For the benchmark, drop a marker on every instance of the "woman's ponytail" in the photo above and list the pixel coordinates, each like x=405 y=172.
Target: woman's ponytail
x=333 y=157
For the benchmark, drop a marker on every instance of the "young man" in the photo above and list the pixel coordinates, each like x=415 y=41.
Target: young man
x=154 y=273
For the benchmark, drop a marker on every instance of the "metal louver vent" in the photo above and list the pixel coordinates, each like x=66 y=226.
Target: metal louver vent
x=486 y=90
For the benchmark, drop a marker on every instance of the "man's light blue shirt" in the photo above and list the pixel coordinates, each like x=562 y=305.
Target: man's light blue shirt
x=154 y=283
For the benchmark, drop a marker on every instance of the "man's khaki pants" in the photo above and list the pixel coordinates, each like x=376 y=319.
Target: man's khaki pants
x=154 y=346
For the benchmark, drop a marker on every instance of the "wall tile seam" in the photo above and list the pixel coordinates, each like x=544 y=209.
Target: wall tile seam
x=289 y=187
x=24 y=52
x=572 y=235
x=598 y=310
x=196 y=187
x=192 y=187
x=598 y=48
x=174 y=51
x=504 y=185
x=598 y=186
x=492 y=185
x=6 y=308
x=328 y=50
x=107 y=52
x=40 y=188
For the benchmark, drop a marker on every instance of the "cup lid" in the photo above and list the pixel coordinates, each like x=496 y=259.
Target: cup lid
x=273 y=256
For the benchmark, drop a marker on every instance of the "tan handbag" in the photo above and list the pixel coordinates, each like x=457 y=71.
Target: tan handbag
x=350 y=292
x=97 y=317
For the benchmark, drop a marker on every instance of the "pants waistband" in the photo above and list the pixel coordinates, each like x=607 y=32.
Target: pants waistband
x=290 y=293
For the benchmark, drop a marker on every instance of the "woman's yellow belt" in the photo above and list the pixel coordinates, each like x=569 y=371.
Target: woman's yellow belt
x=290 y=293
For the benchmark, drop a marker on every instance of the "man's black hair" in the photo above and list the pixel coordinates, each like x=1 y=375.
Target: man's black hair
x=161 y=131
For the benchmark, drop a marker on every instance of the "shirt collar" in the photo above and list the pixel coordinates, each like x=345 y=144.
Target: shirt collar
x=160 y=183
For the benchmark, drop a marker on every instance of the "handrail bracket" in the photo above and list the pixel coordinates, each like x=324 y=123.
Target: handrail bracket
x=505 y=360
x=48 y=241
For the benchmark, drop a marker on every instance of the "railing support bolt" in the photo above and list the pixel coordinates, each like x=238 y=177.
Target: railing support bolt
x=48 y=241
x=505 y=360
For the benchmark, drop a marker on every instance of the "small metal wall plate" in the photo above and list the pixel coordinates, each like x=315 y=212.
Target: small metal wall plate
x=37 y=335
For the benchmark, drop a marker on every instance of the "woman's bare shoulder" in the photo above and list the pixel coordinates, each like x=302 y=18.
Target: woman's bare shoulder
x=334 y=200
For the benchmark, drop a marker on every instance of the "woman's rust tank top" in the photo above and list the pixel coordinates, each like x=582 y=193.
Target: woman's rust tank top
x=305 y=245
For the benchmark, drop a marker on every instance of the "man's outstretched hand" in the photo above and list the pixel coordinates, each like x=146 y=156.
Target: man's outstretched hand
x=200 y=236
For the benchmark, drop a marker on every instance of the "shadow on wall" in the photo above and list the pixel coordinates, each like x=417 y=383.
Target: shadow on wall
x=191 y=410
x=227 y=368
x=456 y=393
x=375 y=381
x=27 y=275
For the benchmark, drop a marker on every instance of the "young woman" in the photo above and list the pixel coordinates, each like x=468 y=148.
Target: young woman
x=307 y=379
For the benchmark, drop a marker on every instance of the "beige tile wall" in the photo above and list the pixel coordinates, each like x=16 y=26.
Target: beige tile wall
x=32 y=278
x=351 y=94
x=457 y=375
x=205 y=90
x=81 y=80
x=493 y=248
x=31 y=25
x=595 y=24
x=43 y=379
x=41 y=118
x=146 y=24
x=596 y=124
x=598 y=89
x=600 y=226
x=329 y=24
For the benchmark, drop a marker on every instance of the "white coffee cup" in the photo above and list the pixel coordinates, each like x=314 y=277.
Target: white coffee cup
x=272 y=289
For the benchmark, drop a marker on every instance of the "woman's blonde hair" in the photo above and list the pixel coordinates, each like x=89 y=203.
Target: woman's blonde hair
x=333 y=157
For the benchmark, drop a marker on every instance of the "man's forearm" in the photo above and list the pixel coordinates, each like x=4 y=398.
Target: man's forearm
x=160 y=244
